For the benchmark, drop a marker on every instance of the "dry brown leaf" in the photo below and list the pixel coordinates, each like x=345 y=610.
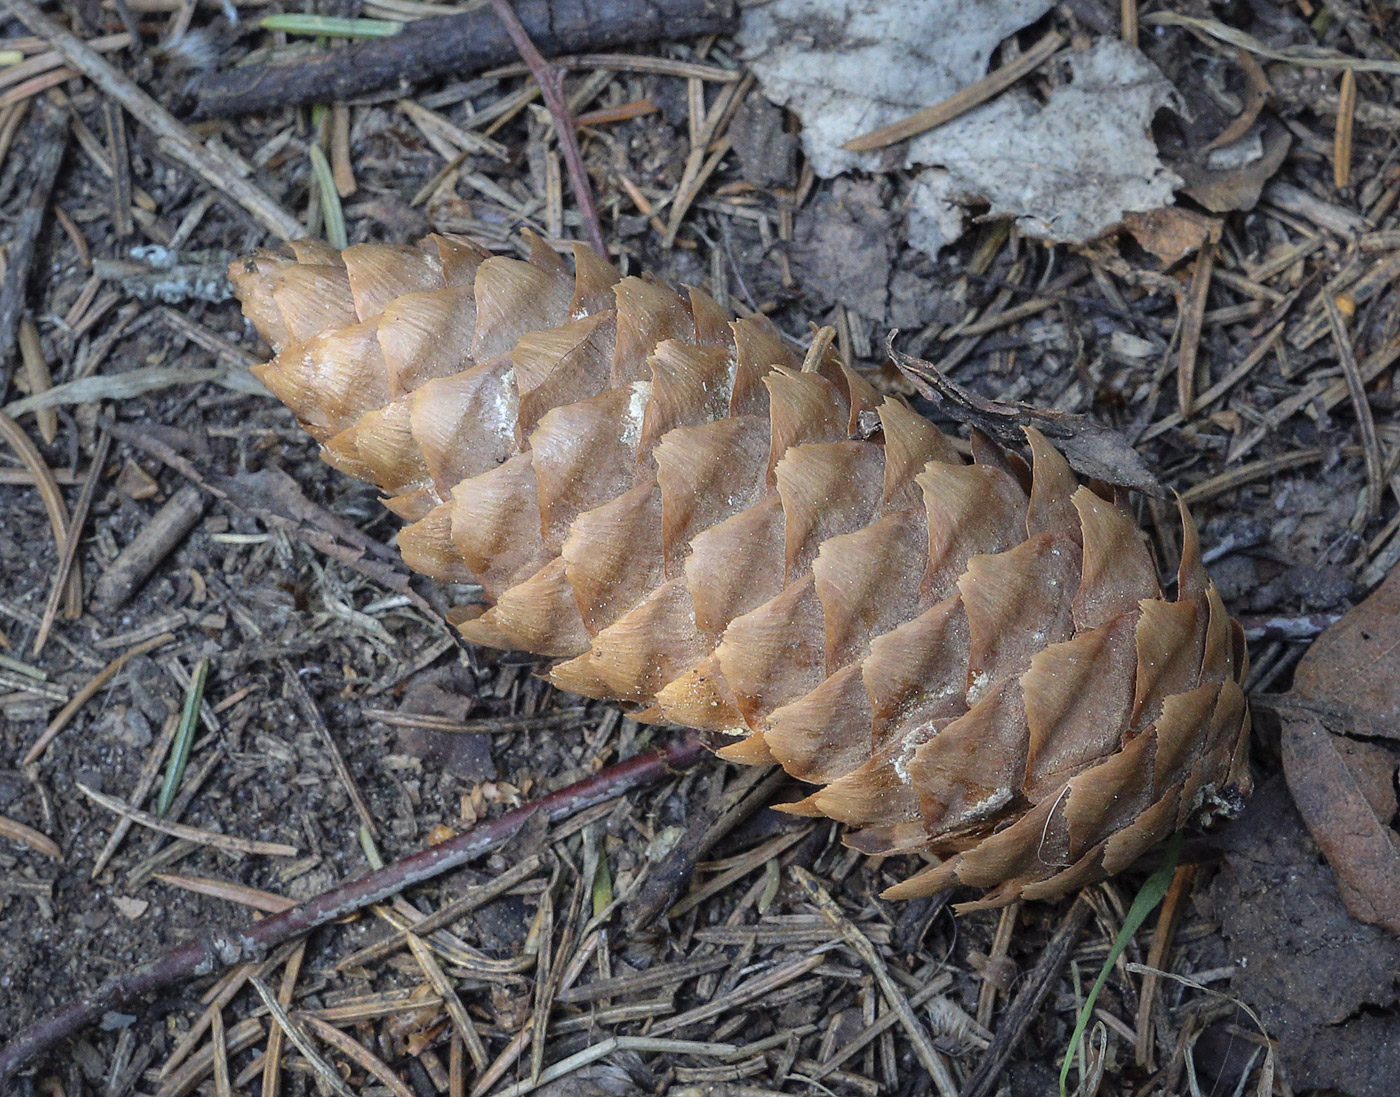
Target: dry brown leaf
x=1232 y=178
x=1349 y=684
x=1352 y=671
x=1173 y=233
x=1363 y=851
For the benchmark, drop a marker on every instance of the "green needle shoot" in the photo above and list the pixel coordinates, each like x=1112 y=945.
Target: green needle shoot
x=330 y=26
x=184 y=736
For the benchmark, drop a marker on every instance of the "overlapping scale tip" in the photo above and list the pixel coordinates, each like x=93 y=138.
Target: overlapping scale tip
x=974 y=661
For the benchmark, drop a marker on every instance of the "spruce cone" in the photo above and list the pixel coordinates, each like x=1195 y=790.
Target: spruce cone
x=973 y=660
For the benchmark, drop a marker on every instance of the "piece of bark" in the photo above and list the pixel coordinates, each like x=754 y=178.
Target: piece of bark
x=458 y=44
x=148 y=548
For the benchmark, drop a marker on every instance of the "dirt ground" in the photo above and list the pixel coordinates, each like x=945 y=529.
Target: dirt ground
x=318 y=641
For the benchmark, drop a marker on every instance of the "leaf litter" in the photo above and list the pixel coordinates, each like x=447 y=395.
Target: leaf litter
x=1066 y=168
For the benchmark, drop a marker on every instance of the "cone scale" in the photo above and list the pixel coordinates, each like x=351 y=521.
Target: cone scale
x=974 y=661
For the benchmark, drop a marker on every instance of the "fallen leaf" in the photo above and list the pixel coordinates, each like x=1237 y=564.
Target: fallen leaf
x=1171 y=234
x=1067 y=168
x=1232 y=177
x=1361 y=848
x=1352 y=671
x=1349 y=685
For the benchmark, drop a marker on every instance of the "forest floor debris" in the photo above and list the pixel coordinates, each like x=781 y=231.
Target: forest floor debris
x=1237 y=339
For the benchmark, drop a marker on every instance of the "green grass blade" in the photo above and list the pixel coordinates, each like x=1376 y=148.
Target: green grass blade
x=1154 y=888
x=331 y=212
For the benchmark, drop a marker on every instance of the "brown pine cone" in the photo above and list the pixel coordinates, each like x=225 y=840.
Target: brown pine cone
x=972 y=660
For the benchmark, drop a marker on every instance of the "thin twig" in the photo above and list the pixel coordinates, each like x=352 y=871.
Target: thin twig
x=100 y=679
x=551 y=81
x=216 y=949
x=228 y=842
x=1365 y=421
x=456 y=1012
x=1193 y=311
x=303 y=1044
x=43 y=478
x=459 y=45
x=360 y=1055
x=312 y=712
x=145 y=781
x=924 y=1050
x=960 y=102
x=68 y=559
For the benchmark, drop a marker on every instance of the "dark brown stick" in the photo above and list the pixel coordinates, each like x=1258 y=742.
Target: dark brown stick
x=134 y=564
x=456 y=44
x=48 y=139
x=551 y=82
x=217 y=949
x=1026 y=1007
x=663 y=887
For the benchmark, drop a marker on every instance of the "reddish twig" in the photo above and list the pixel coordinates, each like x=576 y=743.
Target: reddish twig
x=217 y=949
x=551 y=81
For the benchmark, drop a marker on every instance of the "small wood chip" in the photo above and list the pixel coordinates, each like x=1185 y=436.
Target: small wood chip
x=166 y=529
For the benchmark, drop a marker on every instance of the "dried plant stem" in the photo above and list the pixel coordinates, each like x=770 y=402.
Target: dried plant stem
x=860 y=944
x=215 y=949
x=551 y=81
x=1365 y=420
x=67 y=578
x=105 y=675
x=312 y=712
x=43 y=479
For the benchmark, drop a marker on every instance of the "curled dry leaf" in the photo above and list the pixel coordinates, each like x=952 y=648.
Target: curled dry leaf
x=1351 y=674
x=1349 y=685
